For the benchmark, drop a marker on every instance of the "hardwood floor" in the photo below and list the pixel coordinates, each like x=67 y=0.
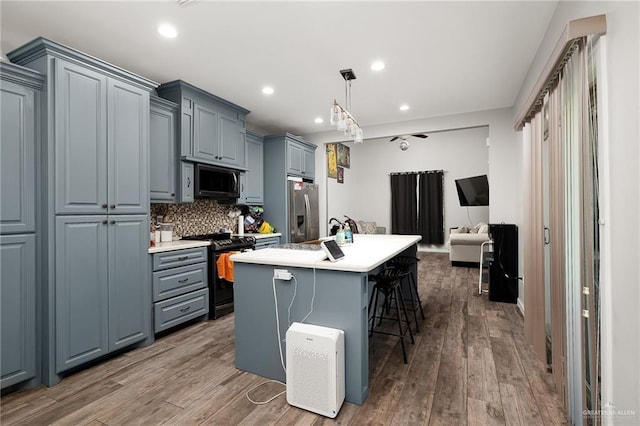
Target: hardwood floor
x=469 y=365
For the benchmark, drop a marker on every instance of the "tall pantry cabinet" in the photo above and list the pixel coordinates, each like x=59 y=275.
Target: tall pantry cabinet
x=95 y=206
x=20 y=91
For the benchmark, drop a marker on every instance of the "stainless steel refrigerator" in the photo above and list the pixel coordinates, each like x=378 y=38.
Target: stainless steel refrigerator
x=304 y=211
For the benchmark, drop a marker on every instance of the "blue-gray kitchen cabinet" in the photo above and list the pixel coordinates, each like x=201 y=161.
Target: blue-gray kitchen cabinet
x=93 y=171
x=82 y=290
x=252 y=180
x=103 y=295
x=212 y=129
x=284 y=155
x=171 y=180
x=17 y=308
x=20 y=97
x=101 y=136
x=300 y=158
x=162 y=151
x=17 y=151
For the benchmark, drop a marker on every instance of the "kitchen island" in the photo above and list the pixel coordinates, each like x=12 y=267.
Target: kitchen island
x=329 y=294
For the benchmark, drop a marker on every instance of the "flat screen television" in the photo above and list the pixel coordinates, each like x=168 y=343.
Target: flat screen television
x=473 y=191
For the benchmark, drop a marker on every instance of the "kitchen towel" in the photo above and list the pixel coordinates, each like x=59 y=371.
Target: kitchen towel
x=225 y=266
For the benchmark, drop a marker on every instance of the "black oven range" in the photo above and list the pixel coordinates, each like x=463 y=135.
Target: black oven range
x=221 y=289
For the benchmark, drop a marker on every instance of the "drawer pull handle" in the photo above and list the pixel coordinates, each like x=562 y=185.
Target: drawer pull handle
x=183 y=281
x=183 y=258
x=185 y=309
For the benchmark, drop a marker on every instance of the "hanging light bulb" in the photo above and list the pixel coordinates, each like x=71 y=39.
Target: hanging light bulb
x=334 y=115
x=342 y=123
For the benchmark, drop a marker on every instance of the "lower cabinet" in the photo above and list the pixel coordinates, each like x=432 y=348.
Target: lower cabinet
x=102 y=297
x=17 y=308
x=263 y=243
x=180 y=290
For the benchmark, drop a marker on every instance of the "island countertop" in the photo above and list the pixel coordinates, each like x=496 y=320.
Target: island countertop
x=367 y=252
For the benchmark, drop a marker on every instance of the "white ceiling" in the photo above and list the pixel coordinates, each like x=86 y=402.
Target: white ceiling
x=441 y=57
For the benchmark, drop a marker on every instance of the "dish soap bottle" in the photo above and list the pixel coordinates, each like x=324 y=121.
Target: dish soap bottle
x=340 y=236
x=348 y=236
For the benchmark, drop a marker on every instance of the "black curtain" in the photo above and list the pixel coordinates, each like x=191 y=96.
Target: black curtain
x=431 y=211
x=404 y=203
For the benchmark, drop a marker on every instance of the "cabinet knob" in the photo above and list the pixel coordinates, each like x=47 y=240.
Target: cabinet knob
x=185 y=309
x=104 y=222
x=173 y=194
x=104 y=206
x=188 y=182
x=183 y=280
x=113 y=222
x=113 y=206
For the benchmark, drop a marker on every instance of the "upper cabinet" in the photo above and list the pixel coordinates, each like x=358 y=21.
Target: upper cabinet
x=163 y=128
x=252 y=180
x=19 y=101
x=300 y=159
x=299 y=155
x=212 y=130
x=101 y=127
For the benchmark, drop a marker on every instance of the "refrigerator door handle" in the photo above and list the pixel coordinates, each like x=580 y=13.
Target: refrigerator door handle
x=307 y=213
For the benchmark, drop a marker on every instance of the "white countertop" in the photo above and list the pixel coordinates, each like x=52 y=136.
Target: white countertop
x=177 y=245
x=367 y=252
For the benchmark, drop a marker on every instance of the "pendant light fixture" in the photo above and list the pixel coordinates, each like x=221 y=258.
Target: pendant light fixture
x=341 y=117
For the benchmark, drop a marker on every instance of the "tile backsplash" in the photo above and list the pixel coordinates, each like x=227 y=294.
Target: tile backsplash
x=203 y=216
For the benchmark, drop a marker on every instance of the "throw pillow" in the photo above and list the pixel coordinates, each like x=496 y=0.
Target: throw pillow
x=367 y=227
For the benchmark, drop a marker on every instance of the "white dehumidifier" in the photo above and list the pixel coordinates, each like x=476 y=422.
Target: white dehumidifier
x=315 y=368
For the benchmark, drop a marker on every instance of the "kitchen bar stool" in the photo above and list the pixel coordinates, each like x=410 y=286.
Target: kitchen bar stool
x=406 y=263
x=388 y=283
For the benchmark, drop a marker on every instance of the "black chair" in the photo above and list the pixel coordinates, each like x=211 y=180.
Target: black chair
x=388 y=283
x=407 y=263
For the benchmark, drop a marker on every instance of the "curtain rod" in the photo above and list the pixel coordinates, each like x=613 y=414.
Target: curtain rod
x=573 y=32
x=417 y=173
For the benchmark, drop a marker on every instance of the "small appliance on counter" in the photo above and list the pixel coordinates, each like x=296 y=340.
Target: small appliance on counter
x=166 y=232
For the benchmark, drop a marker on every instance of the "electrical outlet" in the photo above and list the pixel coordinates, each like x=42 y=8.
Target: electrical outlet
x=281 y=274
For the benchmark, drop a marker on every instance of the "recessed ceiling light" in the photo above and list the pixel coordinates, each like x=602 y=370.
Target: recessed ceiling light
x=267 y=90
x=377 y=66
x=319 y=120
x=167 y=31
x=404 y=107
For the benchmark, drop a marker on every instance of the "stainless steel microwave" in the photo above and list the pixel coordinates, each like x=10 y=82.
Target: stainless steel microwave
x=216 y=182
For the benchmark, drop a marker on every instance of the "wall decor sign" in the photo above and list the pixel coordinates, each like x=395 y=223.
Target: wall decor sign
x=340 y=175
x=332 y=161
x=344 y=156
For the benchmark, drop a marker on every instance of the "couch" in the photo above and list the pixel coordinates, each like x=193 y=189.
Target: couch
x=465 y=244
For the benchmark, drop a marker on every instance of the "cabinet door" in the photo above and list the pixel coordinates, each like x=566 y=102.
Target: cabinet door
x=186 y=128
x=81 y=290
x=17 y=308
x=127 y=149
x=294 y=158
x=129 y=281
x=80 y=97
x=17 y=160
x=255 y=176
x=186 y=182
x=232 y=141
x=206 y=136
x=162 y=154
x=309 y=162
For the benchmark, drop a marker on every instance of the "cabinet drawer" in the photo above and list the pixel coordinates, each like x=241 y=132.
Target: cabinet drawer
x=177 y=281
x=175 y=258
x=177 y=310
x=262 y=243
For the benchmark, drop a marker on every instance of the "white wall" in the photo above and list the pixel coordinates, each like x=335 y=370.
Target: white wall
x=620 y=293
x=366 y=192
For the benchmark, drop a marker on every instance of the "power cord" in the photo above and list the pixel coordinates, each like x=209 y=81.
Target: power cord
x=270 y=399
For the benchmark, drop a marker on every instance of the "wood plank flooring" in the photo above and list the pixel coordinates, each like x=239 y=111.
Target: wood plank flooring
x=469 y=365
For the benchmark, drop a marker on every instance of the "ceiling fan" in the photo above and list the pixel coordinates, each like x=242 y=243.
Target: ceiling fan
x=404 y=145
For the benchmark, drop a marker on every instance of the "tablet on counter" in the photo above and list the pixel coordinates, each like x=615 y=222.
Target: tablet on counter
x=334 y=253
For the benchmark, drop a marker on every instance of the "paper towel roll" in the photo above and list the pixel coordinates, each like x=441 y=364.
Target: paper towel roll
x=241 y=225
